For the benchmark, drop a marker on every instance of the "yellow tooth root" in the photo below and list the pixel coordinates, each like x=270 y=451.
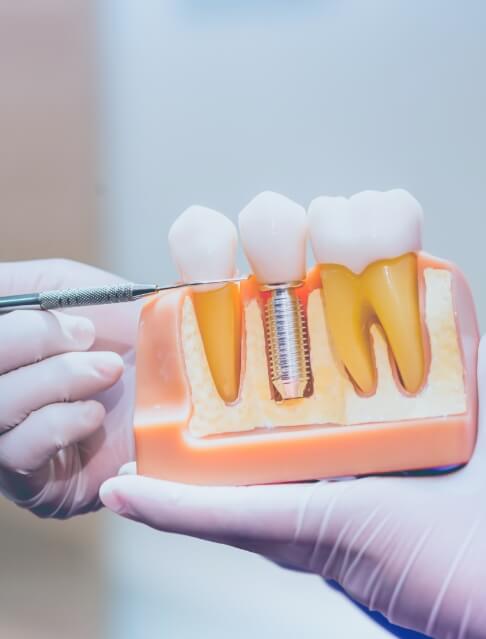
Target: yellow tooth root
x=218 y=314
x=347 y=316
x=387 y=292
x=392 y=289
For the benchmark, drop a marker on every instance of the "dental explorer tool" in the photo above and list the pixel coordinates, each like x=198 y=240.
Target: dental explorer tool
x=96 y=295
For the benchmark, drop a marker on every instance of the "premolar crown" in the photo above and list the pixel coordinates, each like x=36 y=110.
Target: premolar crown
x=366 y=248
x=203 y=244
x=273 y=231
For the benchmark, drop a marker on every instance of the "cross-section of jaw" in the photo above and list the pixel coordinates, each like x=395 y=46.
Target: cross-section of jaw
x=203 y=244
x=366 y=248
x=351 y=419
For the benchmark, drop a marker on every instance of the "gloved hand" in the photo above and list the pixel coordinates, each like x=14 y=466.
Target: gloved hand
x=412 y=548
x=65 y=410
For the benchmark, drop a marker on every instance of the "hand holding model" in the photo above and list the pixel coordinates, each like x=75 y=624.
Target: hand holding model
x=66 y=392
x=410 y=547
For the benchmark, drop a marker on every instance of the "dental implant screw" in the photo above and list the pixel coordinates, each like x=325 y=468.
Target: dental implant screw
x=287 y=341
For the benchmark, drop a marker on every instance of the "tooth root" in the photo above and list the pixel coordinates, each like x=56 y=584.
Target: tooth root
x=347 y=316
x=391 y=286
x=218 y=314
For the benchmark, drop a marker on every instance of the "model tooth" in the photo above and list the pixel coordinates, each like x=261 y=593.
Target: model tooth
x=203 y=244
x=273 y=232
x=367 y=227
x=366 y=248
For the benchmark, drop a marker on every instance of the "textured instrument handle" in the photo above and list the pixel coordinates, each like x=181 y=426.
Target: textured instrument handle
x=93 y=296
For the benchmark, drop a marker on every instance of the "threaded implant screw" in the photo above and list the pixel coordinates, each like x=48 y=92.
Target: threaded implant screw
x=287 y=341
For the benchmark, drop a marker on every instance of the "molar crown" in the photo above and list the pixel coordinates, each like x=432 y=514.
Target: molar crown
x=367 y=227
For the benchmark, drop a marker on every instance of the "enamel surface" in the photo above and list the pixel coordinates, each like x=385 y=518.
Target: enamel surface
x=273 y=231
x=369 y=226
x=203 y=244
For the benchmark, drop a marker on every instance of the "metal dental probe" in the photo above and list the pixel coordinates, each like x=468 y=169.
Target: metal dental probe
x=95 y=295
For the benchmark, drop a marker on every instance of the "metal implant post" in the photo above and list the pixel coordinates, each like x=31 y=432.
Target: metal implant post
x=287 y=341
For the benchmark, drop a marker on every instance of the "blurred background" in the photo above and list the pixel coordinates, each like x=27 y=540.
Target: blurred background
x=114 y=117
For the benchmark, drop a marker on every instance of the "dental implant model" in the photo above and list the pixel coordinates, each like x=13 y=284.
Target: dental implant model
x=364 y=364
x=272 y=220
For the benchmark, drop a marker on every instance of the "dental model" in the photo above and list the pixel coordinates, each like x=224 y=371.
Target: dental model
x=365 y=364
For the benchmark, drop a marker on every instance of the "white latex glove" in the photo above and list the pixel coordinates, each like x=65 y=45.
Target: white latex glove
x=412 y=548
x=65 y=411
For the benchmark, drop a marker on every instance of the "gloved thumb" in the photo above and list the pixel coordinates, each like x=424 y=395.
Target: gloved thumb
x=223 y=513
x=480 y=451
x=278 y=521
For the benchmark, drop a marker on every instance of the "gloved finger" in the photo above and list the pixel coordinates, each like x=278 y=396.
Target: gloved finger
x=48 y=274
x=31 y=336
x=41 y=275
x=241 y=516
x=47 y=431
x=130 y=468
x=63 y=378
x=479 y=456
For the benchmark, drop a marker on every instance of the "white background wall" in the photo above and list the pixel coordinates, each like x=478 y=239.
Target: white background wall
x=210 y=102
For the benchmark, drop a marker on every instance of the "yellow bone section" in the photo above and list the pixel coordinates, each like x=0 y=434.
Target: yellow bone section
x=334 y=401
x=218 y=315
x=387 y=292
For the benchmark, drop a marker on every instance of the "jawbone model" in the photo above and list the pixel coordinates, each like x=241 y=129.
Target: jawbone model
x=365 y=364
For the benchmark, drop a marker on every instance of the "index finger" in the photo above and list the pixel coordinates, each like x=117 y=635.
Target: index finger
x=27 y=337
